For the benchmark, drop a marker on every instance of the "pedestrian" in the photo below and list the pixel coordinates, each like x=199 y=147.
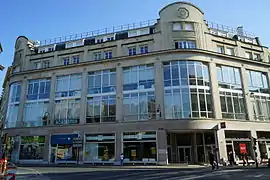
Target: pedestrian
x=121 y=159
x=211 y=160
x=246 y=157
x=231 y=158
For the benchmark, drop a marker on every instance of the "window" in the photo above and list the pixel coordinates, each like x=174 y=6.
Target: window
x=97 y=56
x=185 y=45
x=230 y=51
x=102 y=82
x=257 y=81
x=76 y=59
x=68 y=86
x=132 y=51
x=177 y=26
x=257 y=56
x=101 y=96
x=50 y=49
x=229 y=77
x=32 y=148
x=189 y=27
x=138 y=86
x=67 y=111
x=261 y=106
x=33 y=113
x=101 y=109
x=138 y=77
x=37 y=65
x=66 y=61
x=220 y=49
x=110 y=38
x=99 y=40
x=46 y=64
x=248 y=55
x=144 y=49
x=13 y=105
x=99 y=147
x=187 y=90
x=107 y=54
x=39 y=89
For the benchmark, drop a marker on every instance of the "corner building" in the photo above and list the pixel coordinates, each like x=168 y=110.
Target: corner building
x=163 y=91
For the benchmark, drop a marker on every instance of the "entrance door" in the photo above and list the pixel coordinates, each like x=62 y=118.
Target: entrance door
x=184 y=154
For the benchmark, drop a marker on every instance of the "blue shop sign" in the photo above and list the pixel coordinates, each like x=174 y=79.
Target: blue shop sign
x=63 y=138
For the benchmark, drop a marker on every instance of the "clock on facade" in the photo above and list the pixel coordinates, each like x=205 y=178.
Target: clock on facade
x=183 y=13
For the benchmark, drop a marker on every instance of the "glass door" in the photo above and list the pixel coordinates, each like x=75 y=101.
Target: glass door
x=184 y=154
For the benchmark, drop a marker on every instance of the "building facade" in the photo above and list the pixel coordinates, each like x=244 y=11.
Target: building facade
x=1 y=50
x=165 y=91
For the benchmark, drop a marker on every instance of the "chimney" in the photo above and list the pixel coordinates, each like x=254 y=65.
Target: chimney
x=258 y=41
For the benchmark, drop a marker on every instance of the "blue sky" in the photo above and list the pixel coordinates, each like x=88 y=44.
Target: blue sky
x=40 y=20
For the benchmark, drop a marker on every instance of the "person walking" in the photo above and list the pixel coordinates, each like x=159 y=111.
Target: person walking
x=121 y=159
x=212 y=160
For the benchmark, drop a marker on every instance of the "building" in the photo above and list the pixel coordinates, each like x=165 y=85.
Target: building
x=165 y=91
x=1 y=50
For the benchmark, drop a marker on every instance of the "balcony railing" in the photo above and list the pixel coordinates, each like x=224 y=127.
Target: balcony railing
x=98 y=32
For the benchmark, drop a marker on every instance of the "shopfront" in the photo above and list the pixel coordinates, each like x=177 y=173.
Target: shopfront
x=99 y=148
x=140 y=147
x=62 y=149
x=32 y=148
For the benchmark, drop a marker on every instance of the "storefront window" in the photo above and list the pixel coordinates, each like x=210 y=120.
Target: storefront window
x=62 y=147
x=32 y=147
x=99 y=147
x=139 y=146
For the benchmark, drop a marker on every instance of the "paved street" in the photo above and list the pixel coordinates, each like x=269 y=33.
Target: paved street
x=70 y=173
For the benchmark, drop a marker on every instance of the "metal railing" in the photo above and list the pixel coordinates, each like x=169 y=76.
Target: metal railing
x=98 y=32
x=227 y=29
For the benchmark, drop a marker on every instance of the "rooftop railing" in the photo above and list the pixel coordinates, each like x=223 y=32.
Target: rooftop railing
x=98 y=32
x=227 y=29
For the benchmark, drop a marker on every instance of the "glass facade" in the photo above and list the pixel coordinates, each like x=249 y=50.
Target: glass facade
x=259 y=94
x=32 y=147
x=187 y=90
x=99 y=147
x=231 y=93
x=67 y=99
x=139 y=93
x=13 y=105
x=139 y=146
x=101 y=98
x=39 y=89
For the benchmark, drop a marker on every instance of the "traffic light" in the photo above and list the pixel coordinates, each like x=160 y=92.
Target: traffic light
x=254 y=143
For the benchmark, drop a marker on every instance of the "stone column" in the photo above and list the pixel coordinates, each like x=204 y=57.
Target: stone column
x=83 y=104
x=119 y=93
x=159 y=90
x=215 y=92
x=248 y=104
x=47 y=150
x=162 y=154
x=195 y=152
x=253 y=134
x=22 y=103
x=119 y=147
x=220 y=142
x=52 y=97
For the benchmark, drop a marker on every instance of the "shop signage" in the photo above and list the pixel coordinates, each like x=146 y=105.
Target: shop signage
x=77 y=141
x=243 y=148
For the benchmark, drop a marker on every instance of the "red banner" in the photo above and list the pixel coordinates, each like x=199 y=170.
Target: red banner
x=243 y=148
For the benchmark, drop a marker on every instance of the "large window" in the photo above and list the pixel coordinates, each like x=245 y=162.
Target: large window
x=39 y=89
x=139 y=93
x=68 y=86
x=67 y=111
x=231 y=93
x=187 y=90
x=99 y=148
x=139 y=146
x=13 y=105
x=33 y=113
x=259 y=94
x=101 y=104
x=32 y=147
x=101 y=109
x=185 y=45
